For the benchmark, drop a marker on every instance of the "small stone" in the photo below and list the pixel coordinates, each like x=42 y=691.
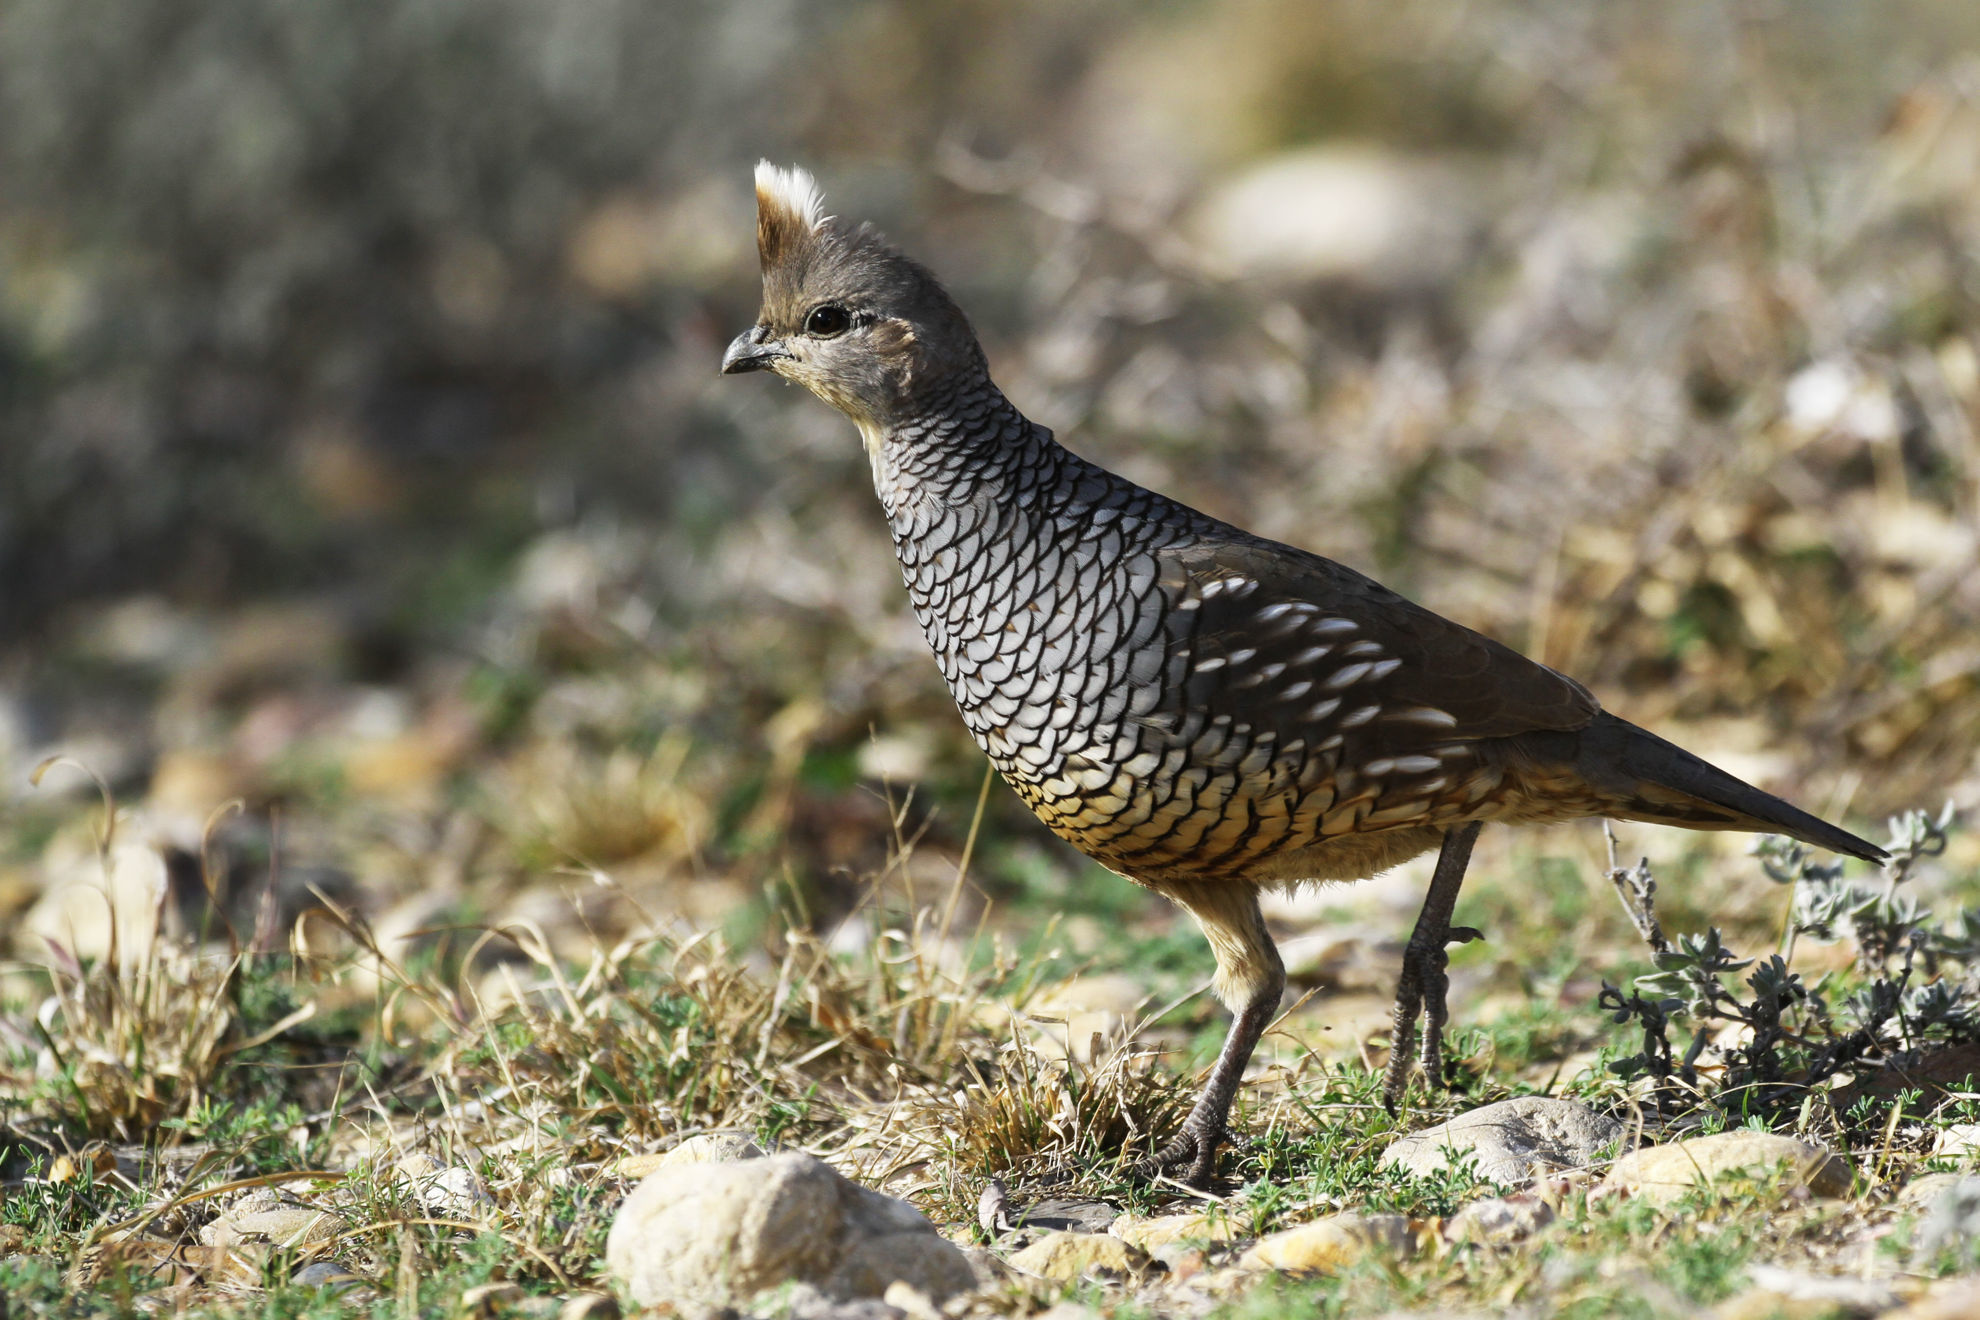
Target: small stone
x=1069 y=1256
x=993 y=1208
x=701 y=1148
x=1921 y=1192
x=589 y=1306
x=1511 y=1141
x=490 y=1298
x=1663 y=1174
x=453 y=1191
x=1957 y=1141
x=327 y=1274
x=910 y=1301
x=286 y=1224
x=1952 y=1219
x=718 y=1234
x=1154 y=1234
x=1500 y=1221
x=1069 y=1216
x=714 y=1148
x=1327 y=1245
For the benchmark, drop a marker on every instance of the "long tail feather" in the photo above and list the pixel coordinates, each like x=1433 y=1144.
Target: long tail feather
x=1674 y=787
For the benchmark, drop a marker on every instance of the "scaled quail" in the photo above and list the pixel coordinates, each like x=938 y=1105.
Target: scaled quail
x=1204 y=711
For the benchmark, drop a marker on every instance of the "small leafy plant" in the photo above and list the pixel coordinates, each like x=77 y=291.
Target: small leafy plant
x=1764 y=1039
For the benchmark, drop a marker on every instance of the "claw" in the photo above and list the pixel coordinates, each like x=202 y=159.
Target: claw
x=1191 y=1158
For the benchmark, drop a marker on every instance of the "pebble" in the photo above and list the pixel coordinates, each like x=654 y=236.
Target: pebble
x=1153 y=1234
x=1069 y=1256
x=1510 y=1142
x=267 y=1218
x=701 y=1148
x=452 y=1191
x=1664 y=1174
x=1957 y=1141
x=1500 y=1221
x=1327 y=1245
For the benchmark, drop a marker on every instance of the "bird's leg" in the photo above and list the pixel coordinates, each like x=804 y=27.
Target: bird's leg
x=1250 y=980
x=1424 y=982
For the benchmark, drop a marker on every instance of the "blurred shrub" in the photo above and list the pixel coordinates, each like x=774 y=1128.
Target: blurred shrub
x=275 y=273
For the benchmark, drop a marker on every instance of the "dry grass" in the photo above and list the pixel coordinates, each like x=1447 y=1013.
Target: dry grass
x=443 y=1124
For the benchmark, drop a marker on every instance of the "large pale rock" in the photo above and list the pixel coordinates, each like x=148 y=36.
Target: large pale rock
x=1510 y=1142
x=1069 y=1256
x=717 y=1234
x=1327 y=1245
x=1663 y=1174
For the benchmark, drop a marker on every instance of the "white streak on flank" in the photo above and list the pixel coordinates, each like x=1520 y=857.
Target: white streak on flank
x=792 y=190
x=1383 y=668
x=1364 y=647
x=1361 y=716
x=1417 y=765
x=1425 y=715
x=1348 y=675
x=1321 y=710
x=1205 y=666
x=1333 y=627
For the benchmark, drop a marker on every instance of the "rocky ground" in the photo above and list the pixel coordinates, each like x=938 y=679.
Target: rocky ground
x=913 y=1123
x=468 y=778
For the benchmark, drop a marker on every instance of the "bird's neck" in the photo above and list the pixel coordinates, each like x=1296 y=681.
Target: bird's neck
x=968 y=447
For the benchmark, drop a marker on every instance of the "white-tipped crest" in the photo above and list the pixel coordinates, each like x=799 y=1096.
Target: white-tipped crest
x=793 y=192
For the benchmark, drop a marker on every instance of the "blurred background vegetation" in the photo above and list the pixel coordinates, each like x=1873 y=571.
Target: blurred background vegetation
x=363 y=459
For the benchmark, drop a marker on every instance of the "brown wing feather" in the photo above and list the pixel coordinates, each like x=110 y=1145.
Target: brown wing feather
x=1417 y=660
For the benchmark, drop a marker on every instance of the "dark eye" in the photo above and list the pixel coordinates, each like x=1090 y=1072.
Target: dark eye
x=827 y=321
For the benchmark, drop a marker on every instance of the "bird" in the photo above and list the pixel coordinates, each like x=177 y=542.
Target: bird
x=1208 y=713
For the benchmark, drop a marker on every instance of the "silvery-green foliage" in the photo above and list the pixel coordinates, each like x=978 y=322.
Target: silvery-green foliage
x=1918 y=992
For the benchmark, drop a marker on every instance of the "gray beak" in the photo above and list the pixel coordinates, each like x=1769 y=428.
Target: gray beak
x=752 y=350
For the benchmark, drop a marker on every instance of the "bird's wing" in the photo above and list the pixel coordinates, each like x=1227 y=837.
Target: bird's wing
x=1287 y=640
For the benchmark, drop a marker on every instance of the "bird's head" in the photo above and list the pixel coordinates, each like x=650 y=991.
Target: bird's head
x=845 y=314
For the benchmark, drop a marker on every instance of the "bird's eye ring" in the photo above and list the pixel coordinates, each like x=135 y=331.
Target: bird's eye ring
x=827 y=320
